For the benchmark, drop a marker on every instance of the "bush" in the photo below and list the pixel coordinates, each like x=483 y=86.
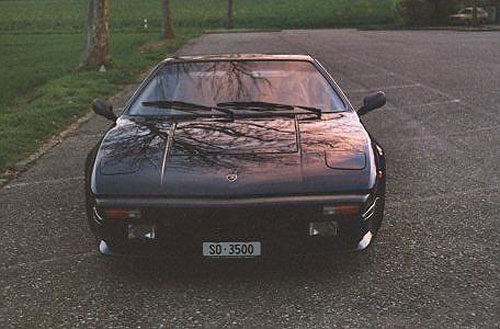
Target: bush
x=424 y=12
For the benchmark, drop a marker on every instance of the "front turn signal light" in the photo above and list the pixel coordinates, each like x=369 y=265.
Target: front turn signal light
x=341 y=209
x=122 y=213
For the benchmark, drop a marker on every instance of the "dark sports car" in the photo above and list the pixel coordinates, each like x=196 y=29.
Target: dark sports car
x=236 y=156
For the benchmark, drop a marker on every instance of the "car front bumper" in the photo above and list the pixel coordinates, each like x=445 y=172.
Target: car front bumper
x=282 y=225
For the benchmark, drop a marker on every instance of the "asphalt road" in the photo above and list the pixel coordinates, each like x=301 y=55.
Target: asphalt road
x=436 y=260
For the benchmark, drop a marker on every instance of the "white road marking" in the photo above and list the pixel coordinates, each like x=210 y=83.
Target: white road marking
x=442 y=143
x=371 y=75
x=414 y=85
x=475 y=192
x=435 y=90
x=457 y=134
x=48 y=181
x=365 y=62
x=451 y=101
x=48 y=260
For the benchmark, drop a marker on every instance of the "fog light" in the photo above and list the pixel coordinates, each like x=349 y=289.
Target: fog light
x=323 y=229
x=365 y=241
x=141 y=232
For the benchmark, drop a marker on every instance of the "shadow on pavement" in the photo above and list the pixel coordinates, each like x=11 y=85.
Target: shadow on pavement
x=315 y=267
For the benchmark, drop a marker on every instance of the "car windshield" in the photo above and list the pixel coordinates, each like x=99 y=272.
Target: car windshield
x=297 y=83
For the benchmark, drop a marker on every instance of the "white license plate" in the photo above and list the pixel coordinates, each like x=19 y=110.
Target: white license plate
x=231 y=249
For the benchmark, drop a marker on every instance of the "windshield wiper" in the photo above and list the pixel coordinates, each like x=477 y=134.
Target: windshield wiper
x=266 y=109
x=186 y=107
x=269 y=106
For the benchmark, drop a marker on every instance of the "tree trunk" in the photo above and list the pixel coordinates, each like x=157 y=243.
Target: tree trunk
x=475 y=21
x=436 y=12
x=168 y=26
x=96 y=48
x=230 y=23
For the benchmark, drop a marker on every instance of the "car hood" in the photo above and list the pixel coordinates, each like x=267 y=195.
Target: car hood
x=247 y=157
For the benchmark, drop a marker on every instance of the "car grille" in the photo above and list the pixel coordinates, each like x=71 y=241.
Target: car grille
x=235 y=223
x=288 y=225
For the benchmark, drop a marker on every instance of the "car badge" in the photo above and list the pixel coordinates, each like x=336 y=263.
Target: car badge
x=232 y=177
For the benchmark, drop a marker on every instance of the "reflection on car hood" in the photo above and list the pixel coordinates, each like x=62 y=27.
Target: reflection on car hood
x=236 y=158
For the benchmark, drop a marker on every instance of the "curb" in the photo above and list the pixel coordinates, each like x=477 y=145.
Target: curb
x=222 y=31
x=25 y=164
x=430 y=28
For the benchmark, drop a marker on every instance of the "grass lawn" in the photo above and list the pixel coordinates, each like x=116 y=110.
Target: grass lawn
x=40 y=42
x=52 y=94
x=50 y=15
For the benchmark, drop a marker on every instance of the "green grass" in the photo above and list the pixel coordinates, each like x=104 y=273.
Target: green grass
x=40 y=43
x=64 y=94
x=29 y=60
x=67 y=15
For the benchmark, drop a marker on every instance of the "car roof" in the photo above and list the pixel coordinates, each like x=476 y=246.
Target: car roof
x=231 y=57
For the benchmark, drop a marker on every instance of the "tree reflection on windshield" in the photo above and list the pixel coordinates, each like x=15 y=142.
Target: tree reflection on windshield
x=209 y=83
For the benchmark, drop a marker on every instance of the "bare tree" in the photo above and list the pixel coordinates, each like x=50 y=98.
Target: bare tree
x=96 y=47
x=168 y=26
x=229 y=23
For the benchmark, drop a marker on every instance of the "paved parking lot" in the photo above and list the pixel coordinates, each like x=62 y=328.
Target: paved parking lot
x=436 y=260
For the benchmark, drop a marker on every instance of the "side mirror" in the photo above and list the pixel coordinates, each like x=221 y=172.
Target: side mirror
x=104 y=108
x=372 y=102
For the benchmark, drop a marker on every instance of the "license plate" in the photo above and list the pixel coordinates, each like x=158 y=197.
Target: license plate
x=231 y=249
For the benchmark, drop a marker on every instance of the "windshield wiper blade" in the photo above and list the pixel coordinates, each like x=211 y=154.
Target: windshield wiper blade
x=255 y=105
x=185 y=106
x=269 y=106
